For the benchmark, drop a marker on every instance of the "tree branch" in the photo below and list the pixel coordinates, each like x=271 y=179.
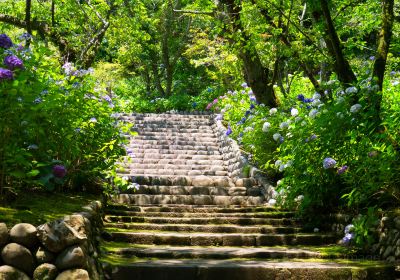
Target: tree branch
x=195 y=12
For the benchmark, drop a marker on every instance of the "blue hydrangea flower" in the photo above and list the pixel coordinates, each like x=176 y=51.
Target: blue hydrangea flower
x=329 y=163
x=12 y=62
x=228 y=131
x=300 y=97
x=6 y=74
x=5 y=41
x=252 y=106
x=342 y=169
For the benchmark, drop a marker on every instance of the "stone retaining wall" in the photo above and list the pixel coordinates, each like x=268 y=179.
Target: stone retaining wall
x=61 y=249
x=239 y=168
x=388 y=247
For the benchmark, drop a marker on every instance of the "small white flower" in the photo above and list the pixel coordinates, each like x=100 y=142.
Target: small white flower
x=279 y=182
x=273 y=111
x=299 y=198
x=294 y=112
x=355 y=108
x=351 y=90
x=125 y=178
x=316 y=102
x=274 y=194
x=266 y=127
x=133 y=186
x=284 y=125
x=316 y=96
x=278 y=163
x=313 y=113
x=282 y=167
x=272 y=202
x=248 y=129
x=276 y=136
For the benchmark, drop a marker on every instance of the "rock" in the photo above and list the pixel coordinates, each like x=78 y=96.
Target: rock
x=73 y=274
x=72 y=257
x=397 y=253
x=24 y=234
x=18 y=256
x=389 y=250
x=201 y=181
x=4 y=236
x=58 y=235
x=44 y=256
x=45 y=271
x=10 y=273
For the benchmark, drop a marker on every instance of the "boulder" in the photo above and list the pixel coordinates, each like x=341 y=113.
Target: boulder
x=24 y=234
x=73 y=274
x=45 y=271
x=4 y=236
x=71 y=257
x=60 y=234
x=10 y=273
x=44 y=256
x=19 y=257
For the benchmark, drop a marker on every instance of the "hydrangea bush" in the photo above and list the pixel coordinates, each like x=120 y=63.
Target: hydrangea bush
x=57 y=130
x=325 y=149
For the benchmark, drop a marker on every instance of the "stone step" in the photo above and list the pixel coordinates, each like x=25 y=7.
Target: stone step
x=197 y=181
x=175 y=134
x=169 y=125
x=215 y=253
x=150 y=148
x=193 y=208
x=206 y=228
x=277 y=215
x=191 y=190
x=144 y=199
x=181 y=162
x=176 y=154
x=163 y=137
x=176 y=269
x=178 y=172
x=180 y=130
x=204 y=220
x=175 y=167
x=179 y=143
x=221 y=239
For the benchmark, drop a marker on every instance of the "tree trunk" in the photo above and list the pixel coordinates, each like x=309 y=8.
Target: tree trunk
x=341 y=65
x=385 y=36
x=257 y=76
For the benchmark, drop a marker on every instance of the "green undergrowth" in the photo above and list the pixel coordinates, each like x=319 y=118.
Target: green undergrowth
x=39 y=208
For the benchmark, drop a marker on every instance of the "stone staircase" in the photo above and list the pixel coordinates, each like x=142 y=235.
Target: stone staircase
x=193 y=216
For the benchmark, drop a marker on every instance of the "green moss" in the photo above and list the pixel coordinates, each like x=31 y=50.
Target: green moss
x=39 y=208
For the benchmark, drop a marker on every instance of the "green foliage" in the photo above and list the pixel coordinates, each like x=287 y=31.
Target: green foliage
x=52 y=116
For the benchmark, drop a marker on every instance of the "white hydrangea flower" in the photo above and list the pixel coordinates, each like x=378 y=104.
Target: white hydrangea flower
x=272 y=202
x=278 y=163
x=316 y=96
x=282 y=167
x=248 y=129
x=273 y=111
x=284 y=125
x=316 y=102
x=279 y=182
x=266 y=127
x=313 y=113
x=355 y=108
x=299 y=198
x=276 y=136
x=274 y=194
x=351 y=90
x=294 y=112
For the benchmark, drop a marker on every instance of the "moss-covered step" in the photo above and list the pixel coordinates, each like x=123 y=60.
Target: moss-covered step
x=192 y=208
x=271 y=214
x=203 y=221
x=176 y=269
x=203 y=228
x=226 y=239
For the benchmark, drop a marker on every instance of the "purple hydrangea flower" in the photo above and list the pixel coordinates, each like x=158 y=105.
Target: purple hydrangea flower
x=247 y=113
x=228 y=131
x=215 y=101
x=12 y=62
x=329 y=163
x=6 y=74
x=313 y=137
x=252 y=106
x=342 y=169
x=253 y=99
x=242 y=121
x=59 y=171
x=244 y=85
x=348 y=238
x=5 y=41
x=300 y=97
